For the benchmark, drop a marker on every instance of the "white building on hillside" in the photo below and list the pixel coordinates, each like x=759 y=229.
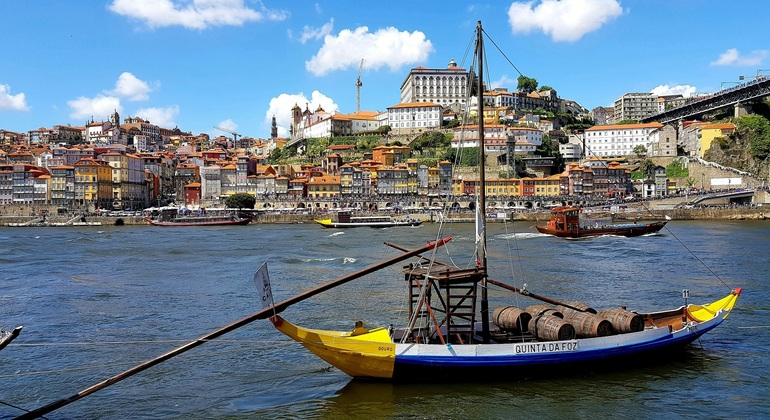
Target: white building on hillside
x=620 y=140
x=446 y=87
x=414 y=117
x=496 y=138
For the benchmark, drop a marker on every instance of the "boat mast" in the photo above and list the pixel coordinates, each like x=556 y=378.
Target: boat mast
x=481 y=246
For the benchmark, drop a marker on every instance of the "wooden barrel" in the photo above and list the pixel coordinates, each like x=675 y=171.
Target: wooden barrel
x=537 y=310
x=587 y=324
x=579 y=306
x=624 y=321
x=551 y=328
x=511 y=318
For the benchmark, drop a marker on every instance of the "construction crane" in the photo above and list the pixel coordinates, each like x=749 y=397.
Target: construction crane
x=358 y=86
x=235 y=135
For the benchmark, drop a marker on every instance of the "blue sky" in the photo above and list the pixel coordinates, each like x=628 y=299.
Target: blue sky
x=197 y=64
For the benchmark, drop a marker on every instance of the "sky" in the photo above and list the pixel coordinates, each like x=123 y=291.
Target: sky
x=234 y=64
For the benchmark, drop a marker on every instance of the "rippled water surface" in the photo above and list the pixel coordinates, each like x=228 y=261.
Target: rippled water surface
x=97 y=301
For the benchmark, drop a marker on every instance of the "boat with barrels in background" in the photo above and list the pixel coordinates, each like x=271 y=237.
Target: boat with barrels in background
x=172 y=216
x=565 y=222
x=450 y=332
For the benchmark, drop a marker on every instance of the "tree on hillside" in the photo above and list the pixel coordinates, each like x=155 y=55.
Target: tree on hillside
x=527 y=84
x=241 y=201
x=648 y=168
x=275 y=156
x=756 y=130
x=640 y=151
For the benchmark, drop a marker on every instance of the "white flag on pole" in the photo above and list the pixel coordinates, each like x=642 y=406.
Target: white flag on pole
x=262 y=280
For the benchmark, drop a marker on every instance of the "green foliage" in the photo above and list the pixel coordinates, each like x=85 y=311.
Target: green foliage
x=647 y=168
x=276 y=155
x=676 y=170
x=637 y=175
x=543 y=112
x=241 y=201
x=450 y=155
x=722 y=142
x=469 y=156
x=640 y=151
x=756 y=130
x=316 y=147
x=429 y=162
x=545 y=87
x=629 y=122
x=527 y=84
x=454 y=122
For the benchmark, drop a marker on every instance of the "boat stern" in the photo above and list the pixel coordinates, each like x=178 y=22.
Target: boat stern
x=720 y=308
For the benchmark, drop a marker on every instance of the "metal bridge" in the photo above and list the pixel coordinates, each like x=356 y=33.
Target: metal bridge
x=734 y=96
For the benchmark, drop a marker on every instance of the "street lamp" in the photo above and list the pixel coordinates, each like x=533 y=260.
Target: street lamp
x=721 y=86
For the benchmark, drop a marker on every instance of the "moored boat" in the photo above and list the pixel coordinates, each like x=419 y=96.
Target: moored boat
x=345 y=220
x=450 y=332
x=565 y=222
x=227 y=220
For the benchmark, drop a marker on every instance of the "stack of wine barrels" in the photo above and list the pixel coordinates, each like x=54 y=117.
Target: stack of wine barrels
x=548 y=324
x=567 y=321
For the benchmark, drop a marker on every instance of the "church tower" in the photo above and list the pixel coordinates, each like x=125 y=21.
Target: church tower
x=274 y=129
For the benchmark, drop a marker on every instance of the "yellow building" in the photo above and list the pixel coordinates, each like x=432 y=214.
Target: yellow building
x=503 y=187
x=93 y=182
x=550 y=186
x=326 y=186
x=709 y=132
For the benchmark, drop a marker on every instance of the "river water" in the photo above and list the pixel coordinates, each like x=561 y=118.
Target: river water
x=97 y=301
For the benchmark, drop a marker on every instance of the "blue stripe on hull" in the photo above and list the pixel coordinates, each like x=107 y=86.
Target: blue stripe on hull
x=464 y=367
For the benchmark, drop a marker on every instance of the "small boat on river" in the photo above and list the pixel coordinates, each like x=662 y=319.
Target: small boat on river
x=226 y=220
x=565 y=222
x=345 y=220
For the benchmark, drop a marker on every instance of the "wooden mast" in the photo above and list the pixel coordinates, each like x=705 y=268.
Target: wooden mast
x=482 y=210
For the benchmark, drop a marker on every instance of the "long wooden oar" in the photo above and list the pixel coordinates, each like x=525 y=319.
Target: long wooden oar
x=10 y=337
x=262 y=314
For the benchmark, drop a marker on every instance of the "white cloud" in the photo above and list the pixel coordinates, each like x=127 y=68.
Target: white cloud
x=162 y=117
x=15 y=102
x=281 y=106
x=309 y=33
x=732 y=57
x=386 y=47
x=98 y=108
x=563 y=20
x=193 y=14
x=228 y=124
x=505 y=82
x=686 y=91
x=129 y=86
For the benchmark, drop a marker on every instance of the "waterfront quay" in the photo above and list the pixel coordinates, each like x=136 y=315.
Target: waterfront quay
x=725 y=205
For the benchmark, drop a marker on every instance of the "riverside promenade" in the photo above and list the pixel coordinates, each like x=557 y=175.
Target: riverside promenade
x=632 y=212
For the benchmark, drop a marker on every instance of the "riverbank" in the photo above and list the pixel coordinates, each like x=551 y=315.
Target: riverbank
x=705 y=213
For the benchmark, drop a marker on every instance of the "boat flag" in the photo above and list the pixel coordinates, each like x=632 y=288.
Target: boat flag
x=262 y=280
